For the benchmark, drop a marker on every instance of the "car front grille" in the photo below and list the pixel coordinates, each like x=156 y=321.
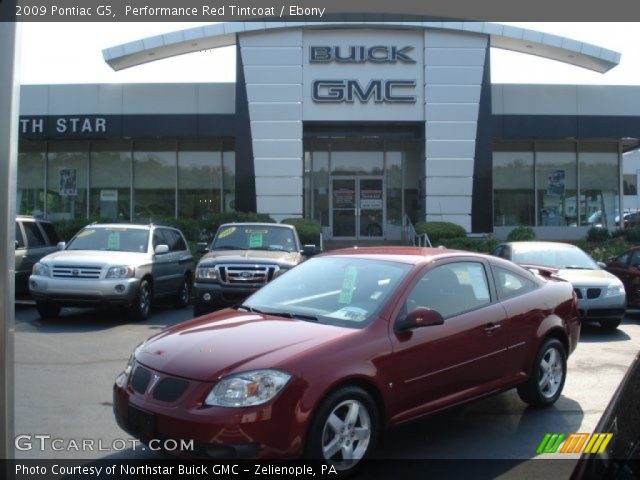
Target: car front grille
x=593 y=293
x=76 y=271
x=589 y=293
x=162 y=388
x=246 y=274
x=140 y=379
x=170 y=389
x=578 y=292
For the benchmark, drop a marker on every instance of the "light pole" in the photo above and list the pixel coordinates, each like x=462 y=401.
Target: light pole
x=9 y=108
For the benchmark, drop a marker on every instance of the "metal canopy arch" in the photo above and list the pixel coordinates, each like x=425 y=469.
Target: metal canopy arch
x=504 y=37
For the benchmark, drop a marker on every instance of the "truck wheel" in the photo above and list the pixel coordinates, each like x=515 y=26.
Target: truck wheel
x=141 y=306
x=47 y=310
x=183 y=297
x=610 y=325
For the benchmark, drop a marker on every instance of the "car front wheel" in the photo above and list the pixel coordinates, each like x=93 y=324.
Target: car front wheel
x=184 y=294
x=545 y=383
x=141 y=306
x=344 y=429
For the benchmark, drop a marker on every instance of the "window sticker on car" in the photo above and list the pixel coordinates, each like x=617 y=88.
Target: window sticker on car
x=355 y=314
x=255 y=240
x=86 y=233
x=261 y=232
x=226 y=232
x=113 y=241
x=115 y=229
x=348 y=285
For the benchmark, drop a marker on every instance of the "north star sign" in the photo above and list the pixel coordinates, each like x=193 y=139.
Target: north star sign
x=347 y=91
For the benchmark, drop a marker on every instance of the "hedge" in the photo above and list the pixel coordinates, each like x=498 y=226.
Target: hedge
x=480 y=245
x=439 y=231
x=308 y=229
x=520 y=234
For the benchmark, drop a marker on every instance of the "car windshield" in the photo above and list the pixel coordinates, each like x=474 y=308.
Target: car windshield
x=255 y=237
x=334 y=290
x=563 y=257
x=118 y=239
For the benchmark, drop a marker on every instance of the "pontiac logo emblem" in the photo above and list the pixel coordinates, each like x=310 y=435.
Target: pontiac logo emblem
x=75 y=272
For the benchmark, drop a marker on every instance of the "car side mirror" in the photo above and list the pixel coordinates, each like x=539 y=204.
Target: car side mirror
x=61 y=245
x=602 y=265
x=309 y=250
x=161 y=249
x=16 y=244
x=202 y=247
x=420 y=317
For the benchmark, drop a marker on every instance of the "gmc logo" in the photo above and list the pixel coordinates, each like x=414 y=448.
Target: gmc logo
x=347 y=91
x=360 y=54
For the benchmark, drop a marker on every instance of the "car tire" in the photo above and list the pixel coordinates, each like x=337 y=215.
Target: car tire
x=183 y=297
x=339 y=442
x=47 y=310
x=547 y=377
x=139 y=310
x=610 y=325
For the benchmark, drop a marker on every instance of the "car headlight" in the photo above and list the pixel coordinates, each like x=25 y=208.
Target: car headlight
x=206 y=273
x=247 y=389
x=614 y=290
x=40 y=269
x=280 y=271
x=122 y=271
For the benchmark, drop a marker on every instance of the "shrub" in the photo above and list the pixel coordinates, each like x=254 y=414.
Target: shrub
x=68 y=228
x=598 y=234
x=521 y=233
x=481 y=245
x=308 y=229
x=439 y=231
x=631 y=235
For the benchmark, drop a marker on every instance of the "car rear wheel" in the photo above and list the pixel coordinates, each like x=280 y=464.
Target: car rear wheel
x=183 y=297
x=344 y=429
x=47 y=310
x=545 y=383
x=610 y=325
x=141 y=306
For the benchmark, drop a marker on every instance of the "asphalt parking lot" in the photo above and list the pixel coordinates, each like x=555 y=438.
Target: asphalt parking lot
x=64 y=371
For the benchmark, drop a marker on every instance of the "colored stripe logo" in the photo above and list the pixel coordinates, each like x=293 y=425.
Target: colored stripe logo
x=574 y=443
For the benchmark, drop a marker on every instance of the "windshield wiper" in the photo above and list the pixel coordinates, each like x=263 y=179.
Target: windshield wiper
x=576 y=267
x=300 y=316
x=249 y=309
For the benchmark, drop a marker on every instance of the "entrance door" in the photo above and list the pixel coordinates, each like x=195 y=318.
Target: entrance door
x=357 y=207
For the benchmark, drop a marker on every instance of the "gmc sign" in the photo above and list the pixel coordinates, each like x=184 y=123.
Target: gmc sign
x=347 y=91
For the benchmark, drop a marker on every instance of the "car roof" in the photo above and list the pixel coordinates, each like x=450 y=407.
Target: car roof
x=540 y=245
x=123 y=225
x=403 y=254
x=256 y=224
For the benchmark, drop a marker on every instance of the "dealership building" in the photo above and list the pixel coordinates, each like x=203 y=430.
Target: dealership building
x=363 y=126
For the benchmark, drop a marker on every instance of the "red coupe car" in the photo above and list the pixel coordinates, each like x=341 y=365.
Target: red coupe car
x=320 y=361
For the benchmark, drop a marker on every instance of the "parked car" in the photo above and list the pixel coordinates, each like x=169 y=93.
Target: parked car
x=626 y=267
x=35 y=238
x=241 y=258
x=601 y=295
x=322 y=359
x=621 y=418
x=120 y=265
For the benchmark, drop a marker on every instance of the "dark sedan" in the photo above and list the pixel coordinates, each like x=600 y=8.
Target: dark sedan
x=627 y=268
x=324 y=358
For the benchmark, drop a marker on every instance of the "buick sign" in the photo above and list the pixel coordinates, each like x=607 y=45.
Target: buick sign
x=360 y=54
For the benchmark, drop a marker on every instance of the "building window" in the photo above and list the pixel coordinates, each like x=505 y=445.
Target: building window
x=630 y=184
x=556 y=184
x=199 y=179
x=513 y=199
x=110 y=181
x=31 y=172
x=67 y=166
x=154 y=180
x=229 y=180
x=599 y=183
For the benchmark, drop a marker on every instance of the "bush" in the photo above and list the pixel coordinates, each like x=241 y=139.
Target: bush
x=308 y=229
x=631 y=235
x=439 y=231
x=520 y=234
x=68 y=228
x=603 y=251
x=480 y=245
x=598 y=234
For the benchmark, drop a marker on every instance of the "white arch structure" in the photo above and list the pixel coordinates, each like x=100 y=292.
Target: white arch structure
x=218 y=35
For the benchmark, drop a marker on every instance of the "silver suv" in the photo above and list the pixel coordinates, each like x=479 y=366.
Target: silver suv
x=114 y=265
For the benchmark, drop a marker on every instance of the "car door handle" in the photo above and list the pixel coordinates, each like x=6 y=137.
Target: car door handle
x=491 y=327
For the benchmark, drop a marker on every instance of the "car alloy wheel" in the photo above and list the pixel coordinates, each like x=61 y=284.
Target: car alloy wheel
x=184 y=294
x=347 y=433
x=550 y=373
x=144 y=299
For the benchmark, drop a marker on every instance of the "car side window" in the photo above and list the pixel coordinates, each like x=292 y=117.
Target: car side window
x=19 y=239
x=158 y=238
x=635 y=259
x=451 y=289
x=510 y=284
x=174 y=240
x=50 y=232
x=34 y=235
x=622 y=260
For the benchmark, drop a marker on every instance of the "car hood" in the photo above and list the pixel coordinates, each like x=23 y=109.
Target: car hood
x=249 y=256
x=210 y=347
x=587 y=277
x=94 y=257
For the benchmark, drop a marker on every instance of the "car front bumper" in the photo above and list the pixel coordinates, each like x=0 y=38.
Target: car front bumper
x=602 y=308
x=70 y=292
x=264 y=431
x=210 y=296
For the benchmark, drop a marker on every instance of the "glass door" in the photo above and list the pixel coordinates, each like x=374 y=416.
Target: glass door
x=357 y=207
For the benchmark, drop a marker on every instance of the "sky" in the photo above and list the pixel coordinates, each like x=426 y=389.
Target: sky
x=52 y=53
